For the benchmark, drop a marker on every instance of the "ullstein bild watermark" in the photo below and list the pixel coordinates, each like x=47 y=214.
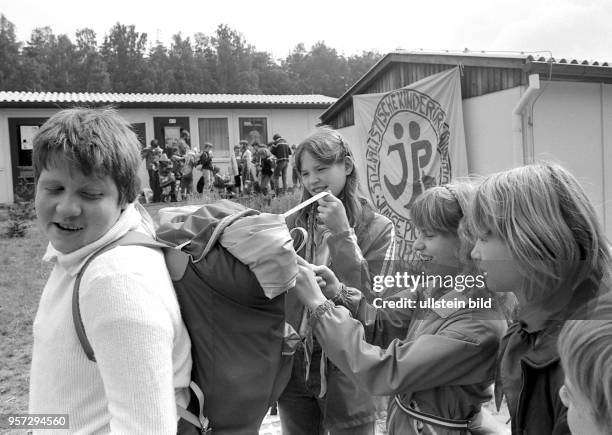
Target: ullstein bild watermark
x=431 y=303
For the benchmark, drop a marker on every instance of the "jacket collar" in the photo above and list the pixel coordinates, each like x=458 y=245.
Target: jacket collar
x=541 y=341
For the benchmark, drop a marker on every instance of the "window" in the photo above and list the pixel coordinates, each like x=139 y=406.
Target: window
x=172 y=135
x=253 y=130
x=215 y=131
x=21 y=133
x=169 y=129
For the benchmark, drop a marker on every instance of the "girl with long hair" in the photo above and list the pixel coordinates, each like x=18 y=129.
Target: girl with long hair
x=539 y=238
x=357 y=243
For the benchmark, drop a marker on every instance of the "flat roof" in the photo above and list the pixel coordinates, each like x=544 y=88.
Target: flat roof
x=61 y=99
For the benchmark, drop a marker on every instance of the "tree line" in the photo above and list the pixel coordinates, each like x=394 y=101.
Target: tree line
x=125 y=61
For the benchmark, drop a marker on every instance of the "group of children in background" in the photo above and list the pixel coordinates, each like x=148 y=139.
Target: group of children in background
x=262 y=168
x=251 y=168
x=545 y=343
x=170 y=169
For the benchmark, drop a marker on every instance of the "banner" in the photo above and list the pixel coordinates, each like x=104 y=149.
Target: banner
x=409 y=139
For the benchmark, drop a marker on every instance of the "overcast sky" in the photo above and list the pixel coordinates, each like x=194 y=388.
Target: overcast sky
x=568 y=28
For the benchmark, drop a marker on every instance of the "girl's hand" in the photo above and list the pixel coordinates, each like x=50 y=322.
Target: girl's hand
x=306 y=287
x=328 y=282
x=332 y=214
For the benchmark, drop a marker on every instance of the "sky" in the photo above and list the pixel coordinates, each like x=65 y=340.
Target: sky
x=577 y=29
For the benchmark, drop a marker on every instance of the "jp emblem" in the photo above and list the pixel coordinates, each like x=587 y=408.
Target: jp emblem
x=407 y=152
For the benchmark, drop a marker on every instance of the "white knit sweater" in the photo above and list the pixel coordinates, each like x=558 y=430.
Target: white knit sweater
x=132 y=320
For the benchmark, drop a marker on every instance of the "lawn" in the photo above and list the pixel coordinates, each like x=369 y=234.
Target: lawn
x=22 y=277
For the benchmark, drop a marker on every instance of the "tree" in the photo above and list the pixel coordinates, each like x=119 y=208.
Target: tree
x=9 y=56
x=206 y=64
x=271 y=77
x=158 y=73
x=223 y=63
x=123 y=51
x=358 y=65
x=183 y=66
x=35 y=64
x=327 y=72
x=90 y=74
x=233 y=63
x=321 y=70
x=295 y=65
x=61 y=64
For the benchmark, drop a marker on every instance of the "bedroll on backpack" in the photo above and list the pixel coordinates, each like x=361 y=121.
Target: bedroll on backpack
x=234 y=310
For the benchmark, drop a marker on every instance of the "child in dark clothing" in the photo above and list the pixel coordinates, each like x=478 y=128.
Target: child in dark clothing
x=539 y=238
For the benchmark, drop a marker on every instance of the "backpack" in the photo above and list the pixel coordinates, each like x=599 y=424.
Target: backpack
x=241 y=347
x=206 y=160
x=267 y=165
x=187 y=168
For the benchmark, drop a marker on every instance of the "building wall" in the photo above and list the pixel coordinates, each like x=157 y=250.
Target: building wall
x=572 y=125
x=292 y=124
x=487 y=121
x=569 y=123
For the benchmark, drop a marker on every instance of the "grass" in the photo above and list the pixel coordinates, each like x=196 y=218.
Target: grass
x=23 y=276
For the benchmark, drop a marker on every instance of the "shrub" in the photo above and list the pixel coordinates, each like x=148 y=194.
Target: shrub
x=24 y=191
x=20 y=215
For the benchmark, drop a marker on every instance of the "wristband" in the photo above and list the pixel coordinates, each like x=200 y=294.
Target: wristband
x=340 y=297
x=319 y=311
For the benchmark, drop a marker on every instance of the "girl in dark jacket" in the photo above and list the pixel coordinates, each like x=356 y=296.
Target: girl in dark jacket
x=540 y=239
x=434 y=354
x=348 y=236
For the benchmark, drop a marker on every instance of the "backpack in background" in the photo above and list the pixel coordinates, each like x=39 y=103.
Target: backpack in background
x=190 y=162
x=241 y=347
x=206 y=160
x=267 y=165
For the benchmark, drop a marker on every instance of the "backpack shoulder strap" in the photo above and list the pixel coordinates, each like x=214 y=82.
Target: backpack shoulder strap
x=131 y=238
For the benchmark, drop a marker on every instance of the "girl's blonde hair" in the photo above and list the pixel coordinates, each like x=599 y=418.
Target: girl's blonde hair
x=327 y=146
x=548 y=223
x=585 y=348
x=440 y=209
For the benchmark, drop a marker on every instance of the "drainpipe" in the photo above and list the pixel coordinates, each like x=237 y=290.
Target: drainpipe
x=517 y=119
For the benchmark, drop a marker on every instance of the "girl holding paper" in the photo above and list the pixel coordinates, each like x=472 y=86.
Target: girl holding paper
x=346 y=234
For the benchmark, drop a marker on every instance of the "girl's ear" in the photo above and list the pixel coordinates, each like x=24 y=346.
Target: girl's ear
x=349 y=165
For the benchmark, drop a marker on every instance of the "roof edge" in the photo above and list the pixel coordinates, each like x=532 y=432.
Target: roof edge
x=160 y=105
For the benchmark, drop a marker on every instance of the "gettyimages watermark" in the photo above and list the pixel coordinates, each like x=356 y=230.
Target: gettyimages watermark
x=401 y=283
x=411 y=281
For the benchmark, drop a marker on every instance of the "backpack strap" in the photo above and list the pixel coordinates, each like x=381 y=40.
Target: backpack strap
x=130 y=238
x=221 y=226
x=201 y=422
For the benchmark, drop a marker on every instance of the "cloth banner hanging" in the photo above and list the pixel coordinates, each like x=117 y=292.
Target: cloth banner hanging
x=409 y=139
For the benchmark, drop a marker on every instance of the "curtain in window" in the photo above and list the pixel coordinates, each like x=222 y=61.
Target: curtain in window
x=215 y=131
